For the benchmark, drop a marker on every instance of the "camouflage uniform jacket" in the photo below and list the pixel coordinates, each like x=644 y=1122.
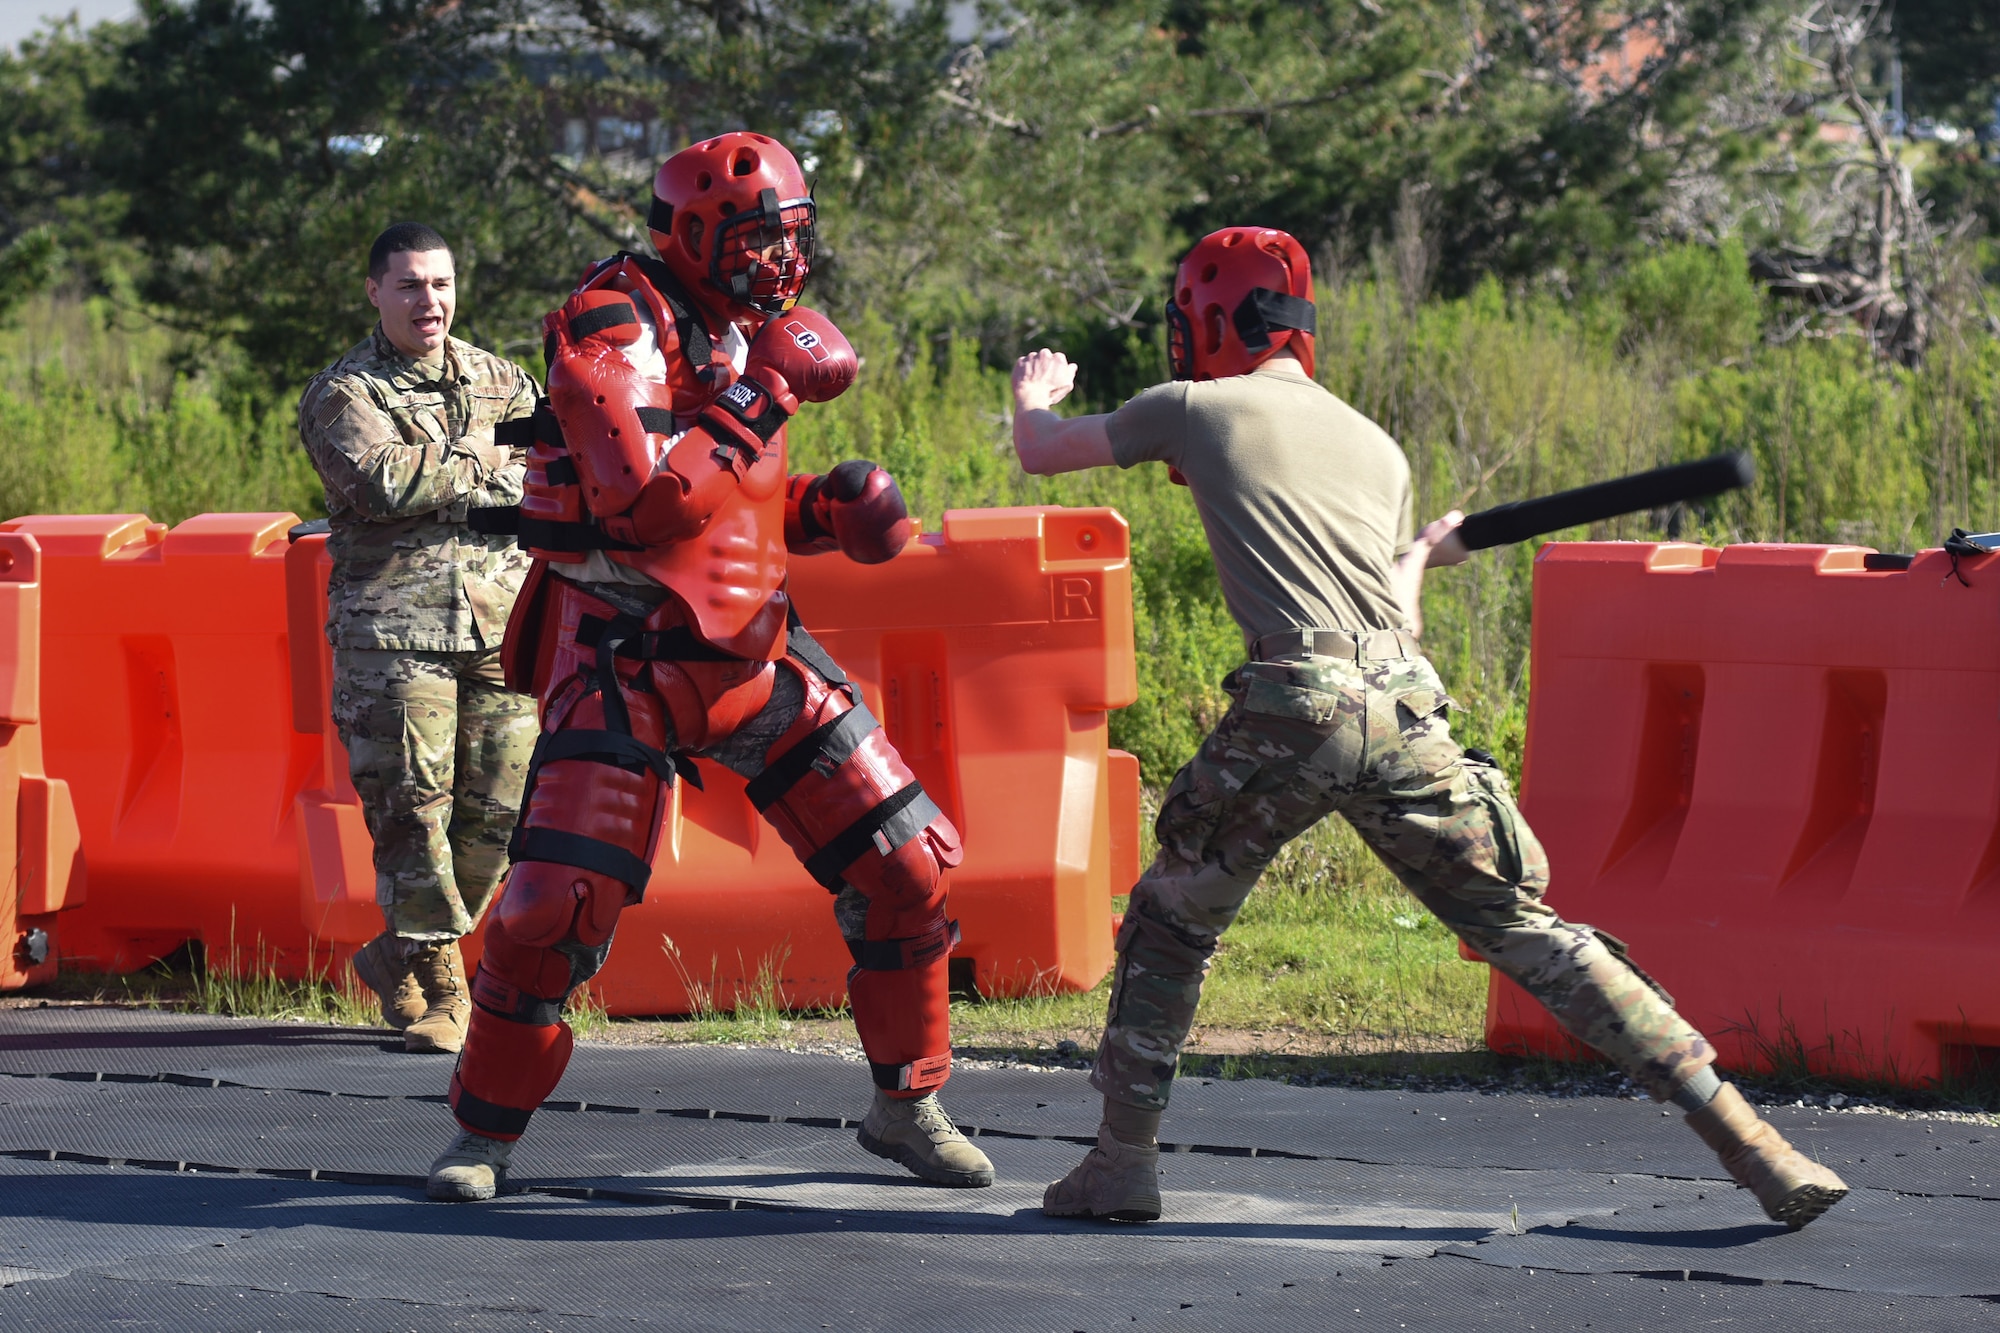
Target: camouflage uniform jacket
x=391 y=439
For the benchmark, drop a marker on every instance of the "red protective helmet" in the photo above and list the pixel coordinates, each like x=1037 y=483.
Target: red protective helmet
x=1240 y=295
x=732 y=215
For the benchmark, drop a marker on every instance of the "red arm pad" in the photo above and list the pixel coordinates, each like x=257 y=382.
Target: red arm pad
x=599 y=398
x=700 y=472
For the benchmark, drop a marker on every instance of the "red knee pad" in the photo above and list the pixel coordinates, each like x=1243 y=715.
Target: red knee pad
x=909 y=879
x=904 y=1019
x=505 y=1071
x=511 y=971
x=545 y=903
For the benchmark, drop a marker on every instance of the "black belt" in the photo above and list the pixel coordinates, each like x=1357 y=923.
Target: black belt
x=495 y=520
x=1375 y=645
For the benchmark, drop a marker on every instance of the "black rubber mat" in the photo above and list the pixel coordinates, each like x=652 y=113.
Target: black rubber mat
x=786 y=1166
x=1902 y=1245
x=91 y=1304
x=556 y=1259
x=160 y=1171
x=1441 y=1129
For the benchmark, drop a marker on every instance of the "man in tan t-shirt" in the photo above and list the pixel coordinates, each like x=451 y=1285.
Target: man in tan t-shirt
x=1306 y=504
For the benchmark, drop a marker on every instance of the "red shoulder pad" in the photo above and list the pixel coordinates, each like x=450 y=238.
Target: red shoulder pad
x=603 y=314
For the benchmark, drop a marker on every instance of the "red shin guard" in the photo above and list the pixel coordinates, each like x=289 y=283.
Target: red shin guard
x=505 y=1071
x=904 y=1018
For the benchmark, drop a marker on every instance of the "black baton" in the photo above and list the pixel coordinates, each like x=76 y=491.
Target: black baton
x=1663 y=486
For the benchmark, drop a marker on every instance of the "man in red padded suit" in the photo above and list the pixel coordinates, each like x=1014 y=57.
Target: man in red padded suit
x=655 y=626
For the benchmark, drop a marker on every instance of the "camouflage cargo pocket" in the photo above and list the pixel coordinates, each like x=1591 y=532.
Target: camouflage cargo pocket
x=1121 y=944
x=1410 y=745
x=1491 y=789
x=1419 y=705
x=1281 y=691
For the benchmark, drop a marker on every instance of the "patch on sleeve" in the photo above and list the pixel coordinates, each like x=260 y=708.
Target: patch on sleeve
x=333 y=403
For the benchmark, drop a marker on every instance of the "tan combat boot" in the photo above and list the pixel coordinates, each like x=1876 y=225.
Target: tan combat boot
x=384 y=969
x=473 y=1167
x=916 y=1132
x=1792 y=1188
x=1118 y=1181
x=448 y=1000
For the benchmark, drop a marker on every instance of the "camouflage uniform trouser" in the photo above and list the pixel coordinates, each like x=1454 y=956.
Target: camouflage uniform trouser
x=438 y=750
x=1372 y=740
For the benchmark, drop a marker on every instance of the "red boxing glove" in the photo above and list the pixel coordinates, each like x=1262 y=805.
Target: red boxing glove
x=796 y=357
x=801 y=353
x=856 y=509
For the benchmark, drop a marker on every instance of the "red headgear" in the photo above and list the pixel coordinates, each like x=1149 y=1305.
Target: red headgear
x=1240 y=295
x=732 y=215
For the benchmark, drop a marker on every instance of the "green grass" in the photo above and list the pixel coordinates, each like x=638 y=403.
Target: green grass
x=189 y=982
x=1329 y=951
x=1331 y=946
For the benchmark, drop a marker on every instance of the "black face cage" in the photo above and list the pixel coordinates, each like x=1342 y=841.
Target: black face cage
x=1180 y=342
x=742 y=264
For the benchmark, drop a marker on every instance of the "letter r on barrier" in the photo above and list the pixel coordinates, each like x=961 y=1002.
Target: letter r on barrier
x=1076 y=597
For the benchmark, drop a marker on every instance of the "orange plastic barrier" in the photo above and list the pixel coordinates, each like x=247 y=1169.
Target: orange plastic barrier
x=188 y=704
x=38 y=832
x=166 y=706
x=1776 y=774
x=336 y=868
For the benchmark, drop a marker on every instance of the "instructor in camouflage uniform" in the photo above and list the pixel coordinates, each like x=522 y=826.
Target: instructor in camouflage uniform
x=401 y=431
x=1306 y=504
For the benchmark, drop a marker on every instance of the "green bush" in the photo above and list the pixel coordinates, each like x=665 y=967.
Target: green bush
x=97 y=418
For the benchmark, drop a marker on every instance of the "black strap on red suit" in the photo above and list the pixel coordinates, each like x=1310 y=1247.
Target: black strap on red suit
x=516 y=434
x=677 y=643
x=610 y=315
x=825 y=749
x=570 y=538
x=900 y=817
x=604 y=747
x=480 y=1115
x=696 y=345
x=495 y=520
x=807 y=649
x=574 y=849
x=913 y=951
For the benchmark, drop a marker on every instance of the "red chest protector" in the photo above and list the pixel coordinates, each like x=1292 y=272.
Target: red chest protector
x=614 y=425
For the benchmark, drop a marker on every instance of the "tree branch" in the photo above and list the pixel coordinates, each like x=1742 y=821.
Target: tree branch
x=986 y=113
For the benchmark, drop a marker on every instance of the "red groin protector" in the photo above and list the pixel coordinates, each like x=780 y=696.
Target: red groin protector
x=1775 y=774
x=38 y=834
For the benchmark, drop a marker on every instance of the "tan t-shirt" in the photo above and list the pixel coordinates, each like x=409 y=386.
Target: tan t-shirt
x=1305 y=501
